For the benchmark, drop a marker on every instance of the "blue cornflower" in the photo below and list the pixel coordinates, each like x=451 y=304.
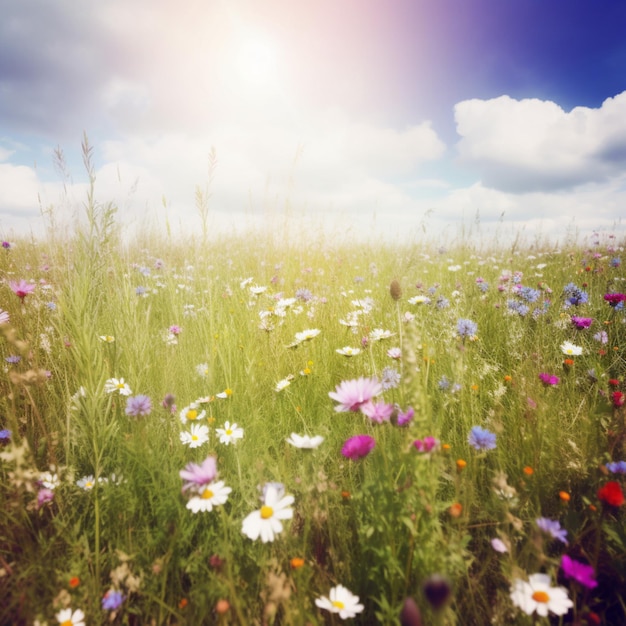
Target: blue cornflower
x=466 y=328
x=304 y=295
x=552 y=528
x=518 y=307
x=390 y=378
x=138 y=405
x=443 y=383
x=481 y=438
x=5 y=434
x=616 y=262
x=529 y=294
x=442 y=303
x=617 y=467
x=574 y=296
x=112 y=600
x=483 y=286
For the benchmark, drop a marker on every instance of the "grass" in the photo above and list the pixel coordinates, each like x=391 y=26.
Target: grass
x=393 y=525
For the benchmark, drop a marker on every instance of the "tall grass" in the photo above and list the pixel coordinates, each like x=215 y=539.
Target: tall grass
x=399 y=523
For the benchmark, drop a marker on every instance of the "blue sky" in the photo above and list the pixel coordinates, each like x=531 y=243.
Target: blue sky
x=364 y=116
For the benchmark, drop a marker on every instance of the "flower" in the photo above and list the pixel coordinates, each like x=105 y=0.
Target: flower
x=537 y=595
x=614 y=298
x=581 y=322
x=21 y=289
x=284 y=383
x=138 y=405
x=549 y=379
x=67 y=617
x=552 y=528
x=405 y=417
x=112 y=600
x=266 y=522
x=611 y=493
x=196 y=436
x=390 y=378
x=229 y=434
x=353 y=394
x=618 y=398
x=86 y=482
x=498 y=545
x=191 y=414
x=427 y=444
x=304 y=441
x=199 y=475
x=616 y=467
x=571 y=349
x=296 y=562
x=394 y=353
x=358 y=446
x=44 y=496
x=580 y=572
x=340 y=600
x=419 y=300
x=117 y=384
x=202 y=370
x=481 y=439
x=307 y=335
x=467 y=329
x=5 y=318
x=378 y=333
x=213 y=494
x=348 y=351
x=378 y=412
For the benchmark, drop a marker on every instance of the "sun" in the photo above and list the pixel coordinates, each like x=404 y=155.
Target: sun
x=256 y=61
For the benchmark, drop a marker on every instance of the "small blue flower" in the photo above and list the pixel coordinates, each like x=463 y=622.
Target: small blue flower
x=466 y=328
x=552 y=528
x=617 y=467
x=138 y=405
x=481 y=438
x=13 y=358
x=5 y=434
x=112 y=600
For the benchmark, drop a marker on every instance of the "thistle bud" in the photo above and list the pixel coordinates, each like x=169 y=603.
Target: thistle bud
x=395 y=290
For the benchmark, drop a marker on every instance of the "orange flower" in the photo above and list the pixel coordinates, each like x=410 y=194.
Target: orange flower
x=445 y=446
x=568 y=362
x=565 y=497
x=460 y=464
x=456 y=509
x=528 y=470
x=183 y=603
x=508 y=378
x=222 y=607
x=345 y=495
x=74 y=582
x=296 y=562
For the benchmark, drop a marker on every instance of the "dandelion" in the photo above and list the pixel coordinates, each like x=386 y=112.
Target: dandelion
x=571 y=349
x=21 y=289
x=196 y=475
x=552 y=528
x=342 y=601
x=117 y=384
x=191 y=413
x=229 y=434
x=481 y=439
x=196 y=436
x=211 y=495
x=304 y=441
x=358 y=446
x=112 y=600
x=580 y=572
x=67 y=617
x=266 y=523
x=353 y=394
x=537 y=595
x=138 y=405
x=348 y=351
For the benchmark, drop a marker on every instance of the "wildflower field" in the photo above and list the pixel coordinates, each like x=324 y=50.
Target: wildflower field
x=256 y=431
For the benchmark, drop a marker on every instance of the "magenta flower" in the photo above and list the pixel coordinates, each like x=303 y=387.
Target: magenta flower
x=198 y=475
x=426 y=445
x=584 y=574
x=549 y=379
x=405 y=417
x=353 y=394
x=358 y=446
x=581 y=322
x=614 y=298
x=379 y=412
x=21 y=289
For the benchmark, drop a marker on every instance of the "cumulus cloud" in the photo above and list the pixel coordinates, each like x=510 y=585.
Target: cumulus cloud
x=534 y=145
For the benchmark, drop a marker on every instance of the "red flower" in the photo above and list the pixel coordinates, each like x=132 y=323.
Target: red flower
x=611 y=493
x=613 y=382
x=618 y=399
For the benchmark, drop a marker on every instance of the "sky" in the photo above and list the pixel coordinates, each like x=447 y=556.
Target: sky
x=374 y=118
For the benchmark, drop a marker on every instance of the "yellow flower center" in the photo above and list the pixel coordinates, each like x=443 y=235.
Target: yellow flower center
x=541 y=596
x=339 y=605
x=88 y=484
x=266 y=512
x=228 y=392
x=207 y=494
x=192 y=414
x=194 y=437
x=229 y=432
x=120 y=385
x=67 y=622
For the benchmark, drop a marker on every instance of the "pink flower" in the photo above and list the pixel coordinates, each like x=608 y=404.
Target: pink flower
x=426 y=444
x=353 y=394
x=21 y=289
x=584 y=574
x=358 y=446
x=197 y=475
x=549 y=379
x=379 y=412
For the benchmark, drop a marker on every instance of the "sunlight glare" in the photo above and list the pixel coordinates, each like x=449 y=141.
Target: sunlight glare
x=257 y=61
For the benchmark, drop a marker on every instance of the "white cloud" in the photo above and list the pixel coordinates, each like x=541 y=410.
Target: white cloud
x=533 y=145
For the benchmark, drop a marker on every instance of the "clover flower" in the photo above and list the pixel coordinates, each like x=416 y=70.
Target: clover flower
x=266 y=523
x=341 y=601
x=538 y=596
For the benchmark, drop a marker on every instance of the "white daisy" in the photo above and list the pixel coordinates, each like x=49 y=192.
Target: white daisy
x=196 y=436
x=378 y=333
x=307 y=335
x=49 y=480
x=282 y=384
x=86 y=482
x=191 y=414
x=348 y=351
x=266 y=522
x=304 y=441
x=213 y=494
x=341 y=601
x=571 y=349
x=229 y=434
x=419 y=300
x=117 y=384
x=537 y=595
x=68 y=618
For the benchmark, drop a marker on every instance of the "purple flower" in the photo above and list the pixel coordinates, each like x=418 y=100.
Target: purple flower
x=21 y=289
x=616 y=467
x=549 y=379
x=304 y=295
x=197 y=475
x=43 y=496
x=390 y=378
x=358 y=446
x=552 y=528
x=614 y=298
x=584 y=574
x=405 y=417
x=175 y=329
x=13 y=358
x=6 y=245
x=426 y=445
x=353 y=394
x=138 y=405
x=112 y=600
x=602 y=337
x=581 y=322
x=466 y=328
x=169 y=402
x=481 y=439
x=5 y=434
x=379 y=412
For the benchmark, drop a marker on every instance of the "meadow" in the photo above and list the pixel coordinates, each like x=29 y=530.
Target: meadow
x=261 y=431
